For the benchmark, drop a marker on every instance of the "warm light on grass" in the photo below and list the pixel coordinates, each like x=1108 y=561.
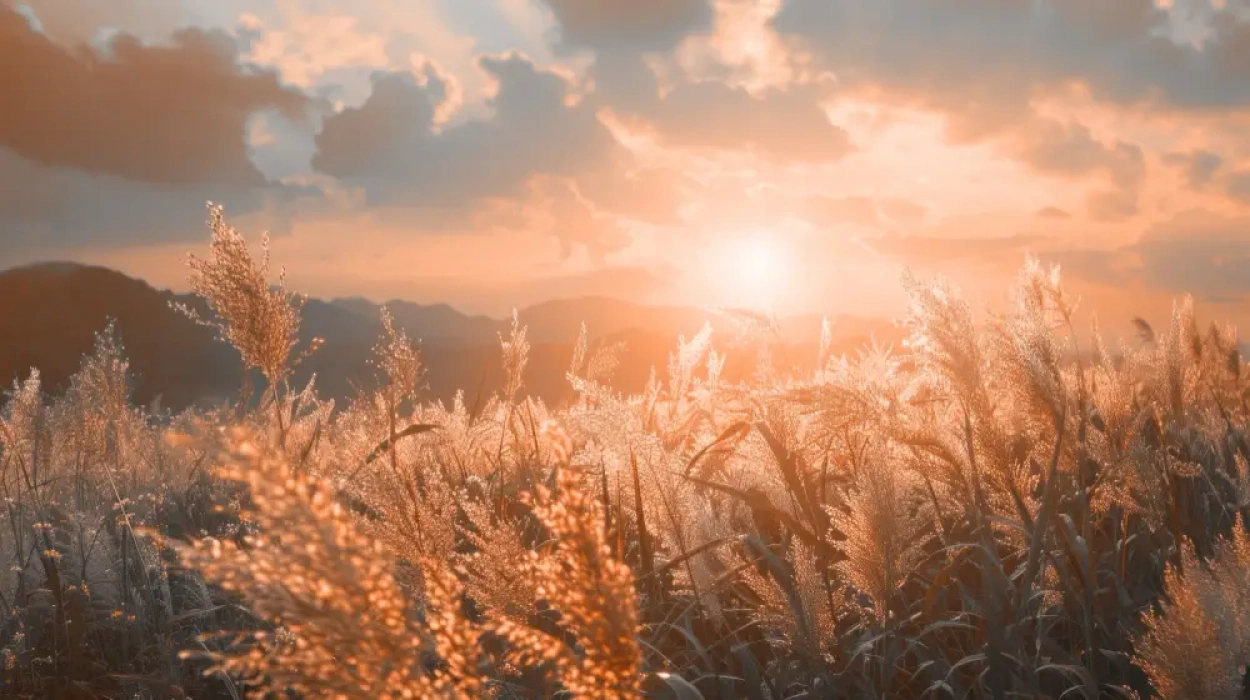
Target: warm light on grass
x=858 y=517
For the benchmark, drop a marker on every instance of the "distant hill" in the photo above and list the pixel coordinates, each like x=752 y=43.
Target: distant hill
x=437 y=323
x=50 y=313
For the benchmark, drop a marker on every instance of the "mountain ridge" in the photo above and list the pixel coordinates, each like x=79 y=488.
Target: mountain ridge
x=50 y=313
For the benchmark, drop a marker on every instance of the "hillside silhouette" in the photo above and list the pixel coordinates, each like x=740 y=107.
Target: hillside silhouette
x=51 y=312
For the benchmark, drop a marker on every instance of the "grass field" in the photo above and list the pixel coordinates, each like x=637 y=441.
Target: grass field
x=991 y=511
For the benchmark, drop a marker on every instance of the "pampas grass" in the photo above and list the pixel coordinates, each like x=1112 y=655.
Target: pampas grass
x=992 y=511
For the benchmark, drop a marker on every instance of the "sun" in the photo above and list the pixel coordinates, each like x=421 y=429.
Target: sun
x=757 y=268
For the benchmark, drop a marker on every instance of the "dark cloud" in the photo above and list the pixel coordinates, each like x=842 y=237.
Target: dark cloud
x=535 y=143
x=1237 y=187
x=1197 y=251
x=629 y=25
x=370 y=140
x=784 y=123
x=47 y=208
x=168 y=114
x=1199 y=166
x=983 y=63
x=390 y=144
x=1069 y=149
x=987 y=58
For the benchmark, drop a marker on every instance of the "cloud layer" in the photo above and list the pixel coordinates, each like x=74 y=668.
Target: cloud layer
x=173 y=114
x=623 y=134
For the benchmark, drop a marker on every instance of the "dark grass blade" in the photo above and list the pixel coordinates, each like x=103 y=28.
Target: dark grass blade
x=414 y=429
x=644 y=537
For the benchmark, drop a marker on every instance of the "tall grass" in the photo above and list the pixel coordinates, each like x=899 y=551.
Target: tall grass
x=990 y=511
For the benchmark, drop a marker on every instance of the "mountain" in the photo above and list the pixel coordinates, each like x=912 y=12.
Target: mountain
x=49 y=316
x=51 y=312
x=437 y=323
x=562 y=319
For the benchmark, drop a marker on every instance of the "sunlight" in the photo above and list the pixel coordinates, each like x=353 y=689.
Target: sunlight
x=757 y=268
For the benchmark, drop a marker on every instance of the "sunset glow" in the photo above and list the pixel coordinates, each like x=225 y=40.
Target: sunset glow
x=582 y=149
x=755 y=271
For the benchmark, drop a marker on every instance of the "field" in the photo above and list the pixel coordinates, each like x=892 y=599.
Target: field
x=995 y=510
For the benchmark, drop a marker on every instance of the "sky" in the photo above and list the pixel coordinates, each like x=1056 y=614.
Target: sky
x=796 y=155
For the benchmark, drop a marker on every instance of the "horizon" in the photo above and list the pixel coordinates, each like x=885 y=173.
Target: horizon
x=1125 y=329
x=590 y=298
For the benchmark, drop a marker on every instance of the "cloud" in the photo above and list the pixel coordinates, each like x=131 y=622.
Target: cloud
x=1198 y=166
x=74 y=21
x=559 y=208
x=992 y=57
x=862 y=211
x=390 y=144
x=1103 y=268
x=331 y=47
x=1197 y=251
x=632 y=119
x=921 y=249
x=997 y=72
x=1053 y=213
x=371 y=140
x=391 y=147
x=784 y=124
x=706 y=113
x=631 y=25
x=169 y=114
x=1108 y=205
x=1069 y=149
x=1237 y=187
x=651 y=195
x=52 y=209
